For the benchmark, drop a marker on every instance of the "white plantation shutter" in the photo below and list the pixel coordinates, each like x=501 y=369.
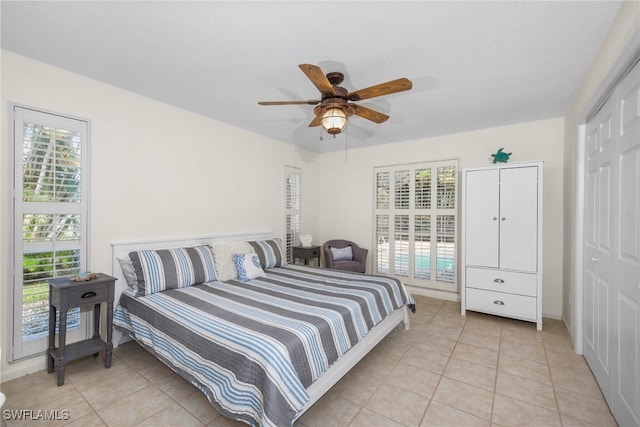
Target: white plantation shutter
x=292 y=209
x=401 y=245
x=422 y=247
x=415 y=206
x=382 y=239
x=49 y=220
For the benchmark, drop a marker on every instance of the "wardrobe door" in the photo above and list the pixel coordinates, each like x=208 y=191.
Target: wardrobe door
x=519 y=219
x=482 y=198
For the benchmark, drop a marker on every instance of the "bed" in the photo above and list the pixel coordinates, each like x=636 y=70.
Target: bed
x=266 y=349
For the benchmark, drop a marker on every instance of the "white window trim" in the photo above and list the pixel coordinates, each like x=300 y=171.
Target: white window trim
x=292 y=212
x=410 y=280
x=19 y=350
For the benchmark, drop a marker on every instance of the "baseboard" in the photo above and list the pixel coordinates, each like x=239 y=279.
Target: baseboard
x=553 y=316
x=24 y=367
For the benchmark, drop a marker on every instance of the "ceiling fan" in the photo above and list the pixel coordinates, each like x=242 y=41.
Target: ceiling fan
x=335 y=106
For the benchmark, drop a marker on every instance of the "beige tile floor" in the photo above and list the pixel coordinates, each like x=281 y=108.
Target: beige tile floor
x=447 y=369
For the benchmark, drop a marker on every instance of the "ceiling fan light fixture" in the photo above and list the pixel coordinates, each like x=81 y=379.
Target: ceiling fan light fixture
x=334 y=120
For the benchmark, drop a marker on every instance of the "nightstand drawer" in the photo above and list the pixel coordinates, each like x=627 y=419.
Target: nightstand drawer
x=88 y=294
x=516 y=306
x=502 y=281
x=303 y=252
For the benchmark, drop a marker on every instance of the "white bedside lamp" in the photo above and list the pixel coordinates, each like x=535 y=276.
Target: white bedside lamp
x=306 y=239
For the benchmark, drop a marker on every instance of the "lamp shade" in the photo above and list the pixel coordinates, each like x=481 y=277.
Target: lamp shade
x=334 y=120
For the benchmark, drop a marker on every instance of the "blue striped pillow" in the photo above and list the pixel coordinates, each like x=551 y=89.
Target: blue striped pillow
x=162 y=269
x=270 y=252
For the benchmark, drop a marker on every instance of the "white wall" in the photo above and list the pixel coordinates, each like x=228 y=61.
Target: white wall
x=156 y=170
x=621 y=44
x=346 y=188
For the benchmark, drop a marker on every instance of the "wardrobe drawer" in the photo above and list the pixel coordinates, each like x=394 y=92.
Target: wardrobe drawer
x=502 y=281
x=509 y=305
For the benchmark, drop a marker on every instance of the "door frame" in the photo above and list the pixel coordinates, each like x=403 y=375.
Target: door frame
x=627 y=58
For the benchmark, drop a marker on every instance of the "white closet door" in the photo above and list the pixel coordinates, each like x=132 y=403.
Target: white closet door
x=611 y=312
x=626 y=262
x=597 y=251
x=482 y=198
x=519 y=219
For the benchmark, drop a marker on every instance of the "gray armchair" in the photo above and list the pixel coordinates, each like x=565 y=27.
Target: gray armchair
x=356 y=264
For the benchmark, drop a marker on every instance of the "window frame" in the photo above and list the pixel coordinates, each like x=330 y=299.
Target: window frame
x=384 y=248
x=20 y=349
x=292 y=215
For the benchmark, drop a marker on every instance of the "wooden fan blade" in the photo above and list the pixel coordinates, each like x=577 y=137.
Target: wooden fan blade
x=311 y=102
x=317 y=77
x=387 y=88
x=317 y=121
x=369 y=114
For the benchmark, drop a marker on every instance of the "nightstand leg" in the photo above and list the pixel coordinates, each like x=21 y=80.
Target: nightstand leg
x=96 y=324
x=109 y=349
x=63 y=338
x=52 y=337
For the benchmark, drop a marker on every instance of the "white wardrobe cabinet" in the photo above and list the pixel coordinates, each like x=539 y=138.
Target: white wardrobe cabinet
x=502 y=240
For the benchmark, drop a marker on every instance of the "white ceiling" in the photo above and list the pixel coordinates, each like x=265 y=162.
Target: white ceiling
x=473 y=64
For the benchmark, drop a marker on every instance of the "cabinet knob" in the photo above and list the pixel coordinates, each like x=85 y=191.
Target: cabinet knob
x=503 y=218
x=498 y=280
x=495 y=218
x=498 y=302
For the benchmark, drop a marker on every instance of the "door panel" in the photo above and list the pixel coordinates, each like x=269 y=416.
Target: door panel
x=519 y=219
x=597 y=259
x=625 y=401
x=626 y=262
x=481 y=217
x=611 y=308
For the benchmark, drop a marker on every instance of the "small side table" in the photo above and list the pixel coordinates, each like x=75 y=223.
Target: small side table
x=65 y=294
x=306 y=253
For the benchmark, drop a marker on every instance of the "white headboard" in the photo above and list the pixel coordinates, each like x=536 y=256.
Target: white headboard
x=122 y=249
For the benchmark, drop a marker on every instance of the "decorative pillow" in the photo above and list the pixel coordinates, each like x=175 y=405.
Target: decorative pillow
x=270 y=252
x=223 y=255
x=162 y=269
x=248 y=266
x=128 y=272
x=341 y=254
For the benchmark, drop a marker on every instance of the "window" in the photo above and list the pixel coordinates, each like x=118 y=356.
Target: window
x=291 y=209
x=49 y=220
x=415 y=223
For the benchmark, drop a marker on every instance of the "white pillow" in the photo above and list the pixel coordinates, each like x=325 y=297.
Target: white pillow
x=341 y=254
x=248 y=266
x=223 y=256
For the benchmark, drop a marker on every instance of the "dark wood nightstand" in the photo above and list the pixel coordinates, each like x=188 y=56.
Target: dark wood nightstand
x=306 y=253
x=65 y=294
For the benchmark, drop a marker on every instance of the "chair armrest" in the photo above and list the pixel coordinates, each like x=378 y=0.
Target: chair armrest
x=328 y=258
x=360 y=254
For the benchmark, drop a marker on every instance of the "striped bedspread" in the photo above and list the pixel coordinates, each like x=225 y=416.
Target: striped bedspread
x=253 y=348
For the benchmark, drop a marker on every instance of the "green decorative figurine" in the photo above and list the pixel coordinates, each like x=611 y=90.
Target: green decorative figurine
x=500 y=156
